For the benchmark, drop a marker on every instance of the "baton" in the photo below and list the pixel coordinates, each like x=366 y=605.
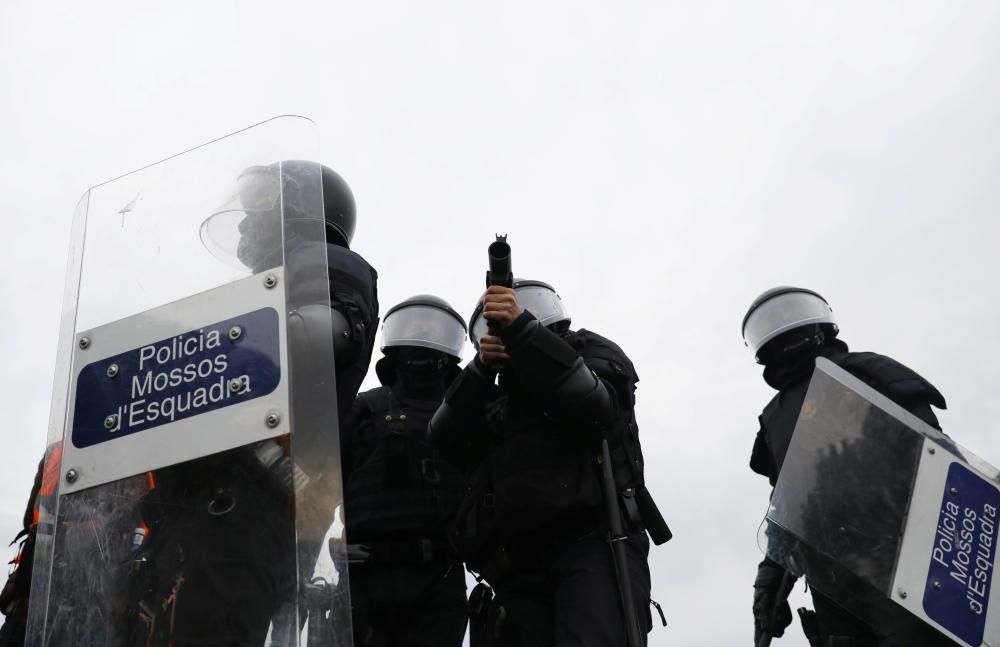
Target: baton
x=784 y=590
x=618 y=538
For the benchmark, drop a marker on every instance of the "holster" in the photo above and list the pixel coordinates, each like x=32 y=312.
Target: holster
x=486 y=617
x=473 y=533
x=653 y=521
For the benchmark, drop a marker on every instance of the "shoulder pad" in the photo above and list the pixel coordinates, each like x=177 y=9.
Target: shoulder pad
x=372 y=399
x=596 y=350
x=349 y=273
x=609 y=361
x=891 y=378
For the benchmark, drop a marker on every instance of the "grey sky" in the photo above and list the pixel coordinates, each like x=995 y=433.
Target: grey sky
x=659 y=163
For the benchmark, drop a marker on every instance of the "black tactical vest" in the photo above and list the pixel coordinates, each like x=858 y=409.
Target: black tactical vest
x=399 y=487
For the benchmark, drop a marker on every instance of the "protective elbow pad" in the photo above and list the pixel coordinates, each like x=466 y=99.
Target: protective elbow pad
x=463 y=404
x=443 y=425
x=345 y=345
x=551 y=367
x=539 y=356
x=309 y=325
x=582 y=395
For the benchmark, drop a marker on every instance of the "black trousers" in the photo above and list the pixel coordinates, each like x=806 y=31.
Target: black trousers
x=219 y=562
x=409 y=605
x=835 y=621
x=905 y=630
x=567 y=594
x=12 y=633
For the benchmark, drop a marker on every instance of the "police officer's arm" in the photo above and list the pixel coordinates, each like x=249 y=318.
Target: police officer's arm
x=458 y=427
x=550 y=367
x=357 y=424
x=898 y=382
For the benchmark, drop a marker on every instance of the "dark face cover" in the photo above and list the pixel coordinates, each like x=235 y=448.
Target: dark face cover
x=421 y=370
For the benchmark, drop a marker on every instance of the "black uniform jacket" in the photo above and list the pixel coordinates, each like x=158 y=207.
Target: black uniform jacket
x=535 y=457
x=887 y=376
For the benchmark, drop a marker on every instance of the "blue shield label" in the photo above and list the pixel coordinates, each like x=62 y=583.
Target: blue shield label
x=198 y=371
x=961 y=568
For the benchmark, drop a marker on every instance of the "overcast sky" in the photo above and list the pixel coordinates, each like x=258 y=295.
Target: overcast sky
x=659 y=163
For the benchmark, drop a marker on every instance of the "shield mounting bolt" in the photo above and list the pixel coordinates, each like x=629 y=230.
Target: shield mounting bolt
x=270 y=281
x=72 y=475
x=936 y=585
x=111 y=421
x=902 y=594
x=235 y=333
x=84 y=343
x=930 y=450
x=236 y=385
x=954 y=490
x=272 y=419
x=113 y=370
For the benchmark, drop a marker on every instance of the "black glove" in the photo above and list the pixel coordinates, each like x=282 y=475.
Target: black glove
x=766 y=593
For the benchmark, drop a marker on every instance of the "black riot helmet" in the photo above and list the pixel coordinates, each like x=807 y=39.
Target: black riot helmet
x=421 y=337
x=246 y=229
x=784 y=321
x=425 y=321
x=538 y=298
x=339 y=209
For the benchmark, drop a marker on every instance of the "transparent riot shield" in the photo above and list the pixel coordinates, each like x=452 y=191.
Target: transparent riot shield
x=887 y=516
x=193 y=453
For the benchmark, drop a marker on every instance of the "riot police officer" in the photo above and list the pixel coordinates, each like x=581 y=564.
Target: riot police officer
x=533 y=524
x=787 y=328
x=407 y=583
x=15 y=593
x=217 y=563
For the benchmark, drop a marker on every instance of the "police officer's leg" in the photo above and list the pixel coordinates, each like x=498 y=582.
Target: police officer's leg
x=521 y=613
x=838 y=627
x=587 y=606
x=12 y=634
x=436 y=613
x=229 y=564
x=370 y=594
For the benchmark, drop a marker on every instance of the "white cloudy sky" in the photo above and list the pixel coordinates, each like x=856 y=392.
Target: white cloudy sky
x=660 y=163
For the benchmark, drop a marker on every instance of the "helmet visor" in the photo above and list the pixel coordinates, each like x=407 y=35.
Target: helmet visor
x=781 y=313
x=249 y=220
x=540 y=301
x=425 y=327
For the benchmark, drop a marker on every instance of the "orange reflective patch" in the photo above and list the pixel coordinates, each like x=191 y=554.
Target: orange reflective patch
x=50 y=473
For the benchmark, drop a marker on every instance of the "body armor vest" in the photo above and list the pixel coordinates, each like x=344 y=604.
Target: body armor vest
x=400 y=488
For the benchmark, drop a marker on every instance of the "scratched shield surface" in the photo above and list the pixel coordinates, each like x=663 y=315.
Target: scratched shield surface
x=183 y=473
x=886 y=515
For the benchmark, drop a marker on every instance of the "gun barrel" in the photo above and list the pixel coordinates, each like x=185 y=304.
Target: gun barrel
x=500 y=268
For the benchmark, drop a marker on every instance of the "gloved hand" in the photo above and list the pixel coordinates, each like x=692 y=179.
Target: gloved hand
x=766 y=592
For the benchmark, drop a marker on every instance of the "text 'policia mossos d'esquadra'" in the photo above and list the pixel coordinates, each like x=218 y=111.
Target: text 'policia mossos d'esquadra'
x=962 y=560
x=201 y=370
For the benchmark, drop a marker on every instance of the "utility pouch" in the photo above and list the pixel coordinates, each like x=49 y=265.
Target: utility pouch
x=655 y=525
x=486 y=617
x=630 y=509
x=473 y=533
